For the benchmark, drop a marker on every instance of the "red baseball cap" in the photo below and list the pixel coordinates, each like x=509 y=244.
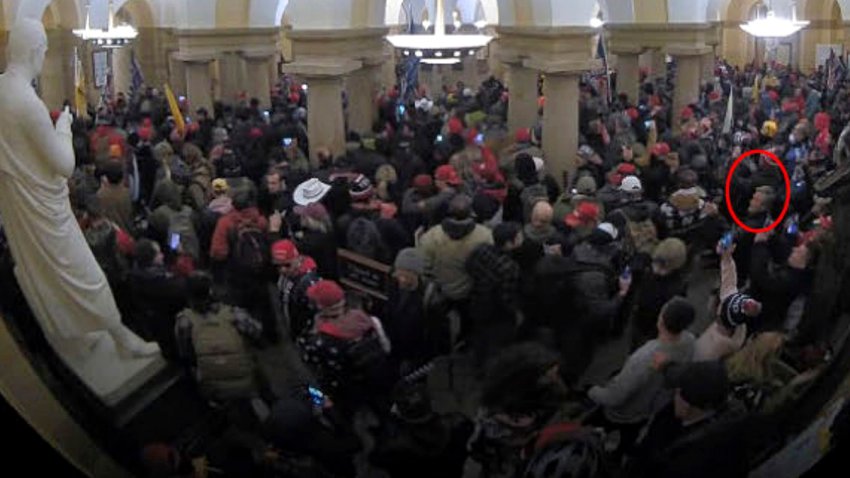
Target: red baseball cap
x=523 y=135
x=661 y=149
x=584 y=214
x=326 y=294
x=626 y=169
x=422 y=181
x=447 y=173
x=455 y=126
x=284 y=251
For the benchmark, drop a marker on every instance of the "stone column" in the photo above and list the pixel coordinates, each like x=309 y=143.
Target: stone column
x=121 y=75
x=522 y=109
x=198 y=87
x=56 y=82
x=688 y=75
x=844 y=25
x=4 y=38
x=325 y=121
x=560 y=116
x=659 y=64
x=628 y=73
x=149 y=47
x=258 y=86
x=560 y=125
x=177 y=74
x=469 y=75
x=362 y=88
x=708 y=61
x=232 y=75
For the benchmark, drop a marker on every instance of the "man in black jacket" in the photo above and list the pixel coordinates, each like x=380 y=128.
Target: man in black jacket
x=416 y=442
x=405 y=310
x=157 y=296
x=758 y=216
x=777 y=286
x=699 y=434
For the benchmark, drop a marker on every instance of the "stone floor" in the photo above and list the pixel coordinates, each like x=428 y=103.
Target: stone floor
x=453 y=382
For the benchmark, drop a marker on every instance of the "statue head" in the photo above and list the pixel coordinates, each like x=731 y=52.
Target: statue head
x=27 y=46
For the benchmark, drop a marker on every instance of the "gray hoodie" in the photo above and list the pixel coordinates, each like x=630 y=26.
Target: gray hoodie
x=635 y=393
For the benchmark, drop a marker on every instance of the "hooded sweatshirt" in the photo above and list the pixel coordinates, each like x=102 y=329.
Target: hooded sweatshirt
x=446 y=248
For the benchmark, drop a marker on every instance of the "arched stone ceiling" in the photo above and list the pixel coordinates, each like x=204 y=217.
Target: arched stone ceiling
x=140 y=11
x=70 y=13
x=330 y=14
x=468 y=8
x=687 y=11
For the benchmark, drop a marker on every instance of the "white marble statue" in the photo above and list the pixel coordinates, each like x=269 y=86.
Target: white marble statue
x=64 y=286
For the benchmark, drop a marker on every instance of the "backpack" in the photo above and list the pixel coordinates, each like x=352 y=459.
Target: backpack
x=365 y=356
x=363 y=237
x=225 y=368
x=641 y=238
x=250 y=248
x=181 y=223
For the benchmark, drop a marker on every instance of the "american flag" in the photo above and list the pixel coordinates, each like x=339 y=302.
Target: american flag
x=602 y=53
x=836 y=70
x=138 y=78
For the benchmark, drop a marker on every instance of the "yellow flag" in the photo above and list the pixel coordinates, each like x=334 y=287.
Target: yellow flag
x=756 y=90
x=175 y=110
x=80 y=100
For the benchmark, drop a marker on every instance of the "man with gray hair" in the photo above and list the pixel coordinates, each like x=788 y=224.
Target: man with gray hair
x=758 y=216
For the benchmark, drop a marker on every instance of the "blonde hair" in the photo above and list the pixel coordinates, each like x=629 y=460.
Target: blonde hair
x=672 y=252
x=192 y=154
x=753 y=362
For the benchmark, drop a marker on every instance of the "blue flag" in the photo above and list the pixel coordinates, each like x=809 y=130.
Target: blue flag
x=602 y=54
x=137 y=77
x=410 y=79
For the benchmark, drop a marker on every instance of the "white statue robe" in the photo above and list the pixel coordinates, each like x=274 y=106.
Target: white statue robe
x=61 y=279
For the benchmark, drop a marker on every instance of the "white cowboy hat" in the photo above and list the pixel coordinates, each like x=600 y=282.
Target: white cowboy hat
x=310 y=191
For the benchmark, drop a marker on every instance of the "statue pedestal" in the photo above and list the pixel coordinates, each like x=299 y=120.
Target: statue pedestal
x=103 y=369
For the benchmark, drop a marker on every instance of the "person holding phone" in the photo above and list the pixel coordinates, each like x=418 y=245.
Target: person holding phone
x=346 y=348
x=299 y=164
x=726 y=335
x=778 y=285
x=307 y=424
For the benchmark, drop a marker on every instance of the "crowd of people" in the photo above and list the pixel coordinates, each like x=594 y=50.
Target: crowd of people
x=220 y=237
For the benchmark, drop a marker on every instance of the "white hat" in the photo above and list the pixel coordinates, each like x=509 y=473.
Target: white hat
x=609 y=228
x=631 y=184
x=310 y=191
x=424 y=104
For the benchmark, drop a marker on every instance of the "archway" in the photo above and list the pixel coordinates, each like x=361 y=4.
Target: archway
x=825 y=31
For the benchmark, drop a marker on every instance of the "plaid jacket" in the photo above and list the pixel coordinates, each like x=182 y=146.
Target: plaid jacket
x=495 y=277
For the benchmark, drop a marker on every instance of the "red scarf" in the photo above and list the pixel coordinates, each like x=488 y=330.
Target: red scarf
x=353 y=325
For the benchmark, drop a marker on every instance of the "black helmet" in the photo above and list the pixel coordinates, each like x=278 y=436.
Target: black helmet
x=578 y=454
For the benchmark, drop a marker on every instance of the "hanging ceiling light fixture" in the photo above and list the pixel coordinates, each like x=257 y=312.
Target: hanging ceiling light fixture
x=768 y=25
x=439 y=48
x=113 y=37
